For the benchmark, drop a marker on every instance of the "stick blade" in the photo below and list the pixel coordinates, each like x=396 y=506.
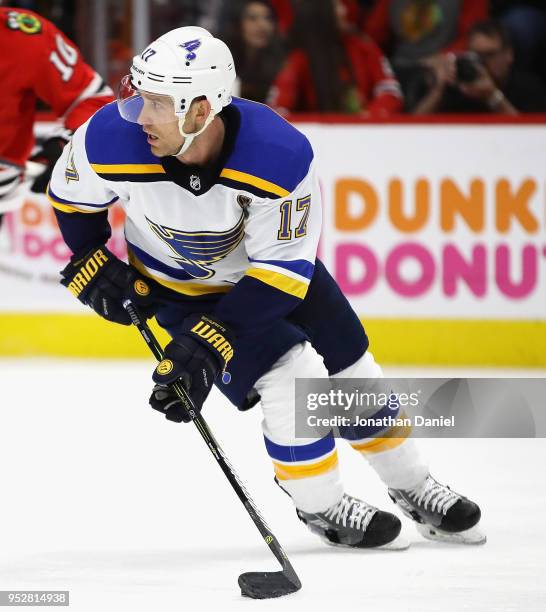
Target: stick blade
x=267 y=585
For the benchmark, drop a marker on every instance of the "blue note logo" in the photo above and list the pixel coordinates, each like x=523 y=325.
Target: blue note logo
x=190 y=47
x=195 y=252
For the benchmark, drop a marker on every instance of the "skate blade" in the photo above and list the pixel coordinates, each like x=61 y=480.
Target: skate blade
x=399 y=543
x=471 y=536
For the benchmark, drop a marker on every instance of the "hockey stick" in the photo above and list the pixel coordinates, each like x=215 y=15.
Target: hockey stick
x=258 y=585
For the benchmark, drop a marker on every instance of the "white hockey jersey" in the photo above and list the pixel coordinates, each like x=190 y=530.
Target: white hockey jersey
x=196 y=230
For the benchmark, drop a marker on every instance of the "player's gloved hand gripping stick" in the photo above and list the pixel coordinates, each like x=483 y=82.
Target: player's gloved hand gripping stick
x=102 y=281
x=258 y=585
x=195 y=357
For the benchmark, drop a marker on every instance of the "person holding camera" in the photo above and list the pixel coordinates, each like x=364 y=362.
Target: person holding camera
x=483 y=79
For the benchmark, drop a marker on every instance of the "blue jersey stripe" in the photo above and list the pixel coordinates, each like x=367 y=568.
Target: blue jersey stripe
x=158 y=266
x=290 y=454
x=70 y=202
x=299 y=266
x=361 y=432
x=127 y=143
x=267 y=148
x=289 y=153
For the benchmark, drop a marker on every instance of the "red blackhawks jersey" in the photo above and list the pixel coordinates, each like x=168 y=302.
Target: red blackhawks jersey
x=39 y=61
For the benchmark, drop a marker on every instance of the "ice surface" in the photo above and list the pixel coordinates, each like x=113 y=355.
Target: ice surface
x=103 y=497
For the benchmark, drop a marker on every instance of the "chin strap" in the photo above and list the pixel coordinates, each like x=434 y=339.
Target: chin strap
x=188 y=138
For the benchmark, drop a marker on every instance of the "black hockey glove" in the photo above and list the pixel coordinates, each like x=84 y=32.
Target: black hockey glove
x=102 y=281
x=196 y=357
x=48 y=155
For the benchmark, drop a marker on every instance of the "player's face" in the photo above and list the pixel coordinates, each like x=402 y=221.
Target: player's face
x=159 y=122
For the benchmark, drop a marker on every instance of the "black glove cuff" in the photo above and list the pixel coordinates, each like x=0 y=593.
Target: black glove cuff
x=213 y=335
x=202 y=337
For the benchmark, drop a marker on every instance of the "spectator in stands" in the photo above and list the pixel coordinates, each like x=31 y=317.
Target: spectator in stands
x=218 y=16
x=258 y=50
x=330 y=69
x=411 y=30
x=485 y=79
x=416 y=33
x=285 y=12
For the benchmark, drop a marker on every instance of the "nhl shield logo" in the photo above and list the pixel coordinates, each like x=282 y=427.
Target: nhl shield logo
x=195 y=182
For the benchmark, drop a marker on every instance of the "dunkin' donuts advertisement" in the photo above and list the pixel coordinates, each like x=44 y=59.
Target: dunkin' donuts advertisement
x=425 y=222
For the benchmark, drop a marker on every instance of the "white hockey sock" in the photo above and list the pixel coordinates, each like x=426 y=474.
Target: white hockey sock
x=307 y=469
x=401 y=466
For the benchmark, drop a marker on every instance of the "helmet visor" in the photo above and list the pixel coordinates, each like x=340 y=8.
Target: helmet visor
x=139 y=106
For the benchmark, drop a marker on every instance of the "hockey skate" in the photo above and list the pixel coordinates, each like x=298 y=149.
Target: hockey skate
x=355 y=524
x=440 y=513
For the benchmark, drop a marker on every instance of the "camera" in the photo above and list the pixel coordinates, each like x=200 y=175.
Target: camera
x=466 y=67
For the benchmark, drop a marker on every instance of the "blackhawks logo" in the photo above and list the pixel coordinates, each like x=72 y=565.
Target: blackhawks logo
x=27 y=23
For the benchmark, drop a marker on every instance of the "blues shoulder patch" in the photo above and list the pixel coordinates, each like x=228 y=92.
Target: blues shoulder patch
x=118 y=150
x=270 y=157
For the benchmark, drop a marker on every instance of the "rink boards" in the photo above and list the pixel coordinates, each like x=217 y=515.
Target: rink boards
x=435 y=233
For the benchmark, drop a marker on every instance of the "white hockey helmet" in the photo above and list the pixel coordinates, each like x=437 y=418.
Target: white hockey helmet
x=183 y=64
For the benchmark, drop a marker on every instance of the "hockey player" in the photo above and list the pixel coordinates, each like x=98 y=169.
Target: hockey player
x=37 y=61
x=223 y=219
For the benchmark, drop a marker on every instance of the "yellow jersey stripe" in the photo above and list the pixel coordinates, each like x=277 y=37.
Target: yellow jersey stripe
x=286 y=471
x=392 y=438
x=128 y=168
x=66 y=208
x=243 y=177
x=279 y=281
x=183 y=287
